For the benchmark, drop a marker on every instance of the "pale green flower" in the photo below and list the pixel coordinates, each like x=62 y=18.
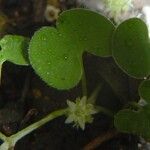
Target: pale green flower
x=116 y=6
x=80 y=112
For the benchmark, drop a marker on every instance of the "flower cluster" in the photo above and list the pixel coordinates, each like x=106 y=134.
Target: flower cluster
x=116 y=6
x=80 y=112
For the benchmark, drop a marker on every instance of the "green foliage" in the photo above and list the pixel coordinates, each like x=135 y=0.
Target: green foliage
x=56 y=56
x=144 y=90
x=136 y=122
x=90 y=31
x=14 y=49
x=56 y=53
x=131 y=48
x=131 y=51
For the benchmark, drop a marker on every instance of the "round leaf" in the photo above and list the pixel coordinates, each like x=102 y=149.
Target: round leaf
x=89 y=30
x=136 y=122
x=131 y=48
x=144 y=90
x=54 y=58
x=56 y=54
x=14 y=49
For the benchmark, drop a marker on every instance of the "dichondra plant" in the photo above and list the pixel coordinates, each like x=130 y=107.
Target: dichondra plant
x=56 y=56
x=56 y=53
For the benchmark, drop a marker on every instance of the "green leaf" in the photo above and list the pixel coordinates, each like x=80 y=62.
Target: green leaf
x=144 y=90
x=131 y=48
x=89 y=30
x=56 y=53
x=54 y=58
x=135 y=122
x=14 y=49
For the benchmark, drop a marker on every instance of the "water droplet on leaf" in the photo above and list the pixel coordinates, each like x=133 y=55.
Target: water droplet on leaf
x=66 y=57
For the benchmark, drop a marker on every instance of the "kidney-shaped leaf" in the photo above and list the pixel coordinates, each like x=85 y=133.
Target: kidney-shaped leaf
x=144 y=90
x=56 y=53
x=91 y=31
x=131 y=48
x=53 y=57
x=14 y=49
x=135 y=122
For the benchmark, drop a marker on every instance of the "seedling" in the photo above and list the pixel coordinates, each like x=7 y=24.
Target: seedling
x=56 y=56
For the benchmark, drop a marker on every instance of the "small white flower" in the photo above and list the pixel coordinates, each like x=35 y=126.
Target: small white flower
x=80 y=112
x=118 y=10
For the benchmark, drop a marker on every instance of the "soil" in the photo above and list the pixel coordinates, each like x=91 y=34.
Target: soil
x=25 y=98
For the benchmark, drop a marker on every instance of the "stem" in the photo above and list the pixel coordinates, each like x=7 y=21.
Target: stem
x=84 y=83
x=105 y=111
x=38 y=124
x=9 y=142
x=93 y=97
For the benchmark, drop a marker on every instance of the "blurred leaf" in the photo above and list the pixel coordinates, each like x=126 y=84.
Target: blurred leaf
x=131 y=48
x=135 y=122
x=14 y=49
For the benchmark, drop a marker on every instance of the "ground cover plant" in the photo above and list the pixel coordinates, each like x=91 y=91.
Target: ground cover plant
x=56 y=56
